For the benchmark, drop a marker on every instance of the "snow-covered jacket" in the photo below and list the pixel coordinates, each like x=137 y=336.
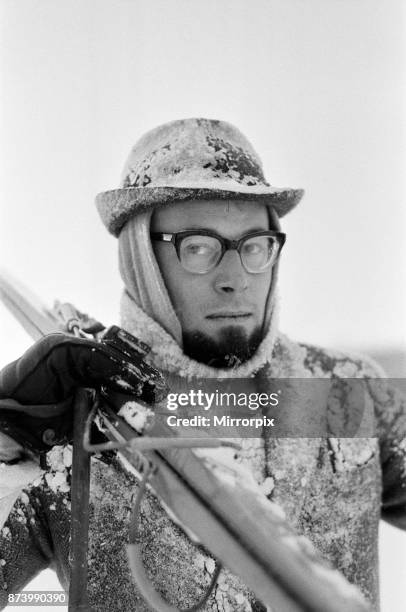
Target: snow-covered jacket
x=333 y=490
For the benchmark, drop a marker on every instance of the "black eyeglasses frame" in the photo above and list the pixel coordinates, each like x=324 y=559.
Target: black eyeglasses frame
x=226 y=244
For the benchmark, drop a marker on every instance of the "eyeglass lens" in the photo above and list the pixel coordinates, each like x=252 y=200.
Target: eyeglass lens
x=199 y=253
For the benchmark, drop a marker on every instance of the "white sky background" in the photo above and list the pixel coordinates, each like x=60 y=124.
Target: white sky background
x=318 y=86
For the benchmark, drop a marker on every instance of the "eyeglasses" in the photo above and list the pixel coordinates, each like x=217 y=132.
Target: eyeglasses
x=200 y=251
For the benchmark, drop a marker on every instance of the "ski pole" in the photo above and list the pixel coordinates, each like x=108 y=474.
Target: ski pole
x=78 y=601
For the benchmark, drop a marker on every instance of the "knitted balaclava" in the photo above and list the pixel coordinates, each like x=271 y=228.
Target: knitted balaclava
x=143 y=281
x=147 y=311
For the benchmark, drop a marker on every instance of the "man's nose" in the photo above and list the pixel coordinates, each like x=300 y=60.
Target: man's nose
x=230 y=276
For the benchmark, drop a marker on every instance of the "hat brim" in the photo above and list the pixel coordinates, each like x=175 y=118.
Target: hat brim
x=118 y=205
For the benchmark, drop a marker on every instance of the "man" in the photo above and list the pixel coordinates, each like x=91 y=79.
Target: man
x=199 y=244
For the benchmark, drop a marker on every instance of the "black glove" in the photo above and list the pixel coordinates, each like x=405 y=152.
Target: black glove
x=41 y=385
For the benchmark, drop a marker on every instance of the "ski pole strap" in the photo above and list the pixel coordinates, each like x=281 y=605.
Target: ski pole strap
x=147 y=589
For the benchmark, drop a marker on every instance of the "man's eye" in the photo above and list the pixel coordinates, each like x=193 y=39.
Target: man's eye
x=198 y=249
x=253 y=248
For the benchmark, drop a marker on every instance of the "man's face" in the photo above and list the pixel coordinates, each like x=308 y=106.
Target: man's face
x=221 y=312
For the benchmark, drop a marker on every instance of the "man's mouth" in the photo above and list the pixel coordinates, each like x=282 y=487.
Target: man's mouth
x=229 y=315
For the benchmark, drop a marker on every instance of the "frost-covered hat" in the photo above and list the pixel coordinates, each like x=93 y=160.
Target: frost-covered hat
x=197 y=159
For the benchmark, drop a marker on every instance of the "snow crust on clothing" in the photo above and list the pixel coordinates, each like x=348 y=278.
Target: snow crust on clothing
x=136 y=415
x=13 y=478
x=195 y=153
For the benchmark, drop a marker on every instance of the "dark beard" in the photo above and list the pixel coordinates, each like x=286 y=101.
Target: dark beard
x=233 y=347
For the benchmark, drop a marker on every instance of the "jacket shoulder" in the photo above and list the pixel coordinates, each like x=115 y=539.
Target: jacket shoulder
x=315 y=361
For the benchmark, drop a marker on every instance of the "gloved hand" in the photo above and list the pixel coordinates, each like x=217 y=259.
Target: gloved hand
x=41 y=385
